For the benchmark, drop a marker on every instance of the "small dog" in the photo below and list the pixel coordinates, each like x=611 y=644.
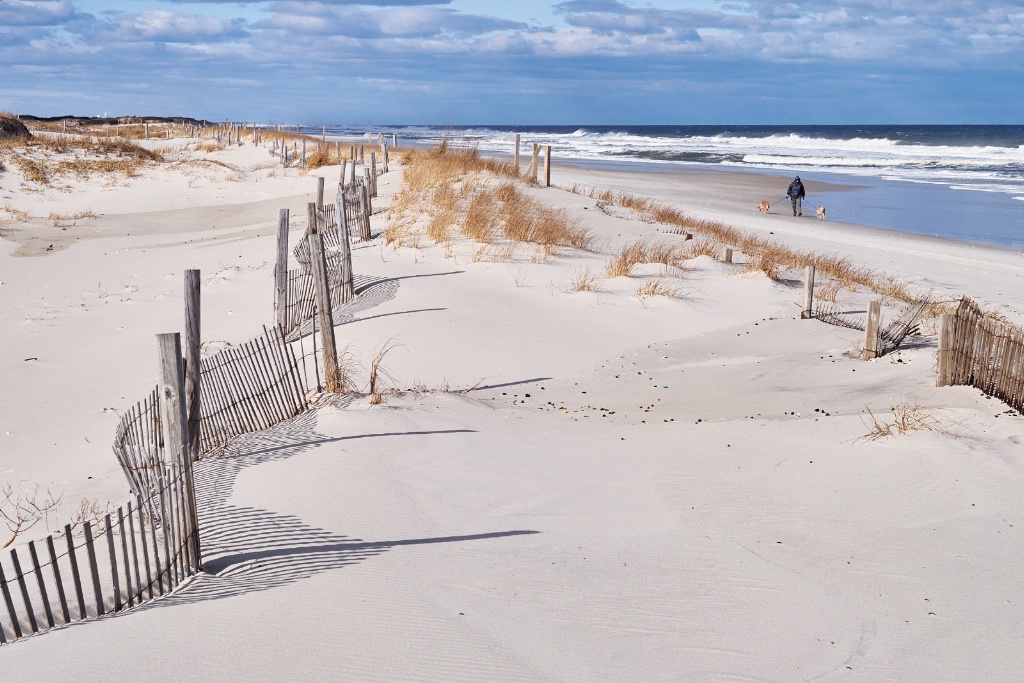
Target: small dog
x=763 y=207
x=821 y=213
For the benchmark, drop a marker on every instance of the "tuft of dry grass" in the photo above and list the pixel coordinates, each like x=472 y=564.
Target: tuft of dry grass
x=378 y=374
x=17 y=214
x=583 y=280
x=906 y=418
x=658 y=287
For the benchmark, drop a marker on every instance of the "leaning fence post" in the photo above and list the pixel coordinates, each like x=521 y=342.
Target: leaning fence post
x=281 y=271
x=515 y=156
x=320 y=192
x=193 y=346
x=318 y=263
x=944 y=372
x=805 y=312
x=872 y=331
x=547 y=165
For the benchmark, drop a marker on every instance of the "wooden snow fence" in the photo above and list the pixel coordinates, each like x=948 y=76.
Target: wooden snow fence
x=139 y=552
x=249 y=388
x=300 y=292
x=981 y=351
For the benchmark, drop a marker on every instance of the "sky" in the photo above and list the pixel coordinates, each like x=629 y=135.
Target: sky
x=520 y=62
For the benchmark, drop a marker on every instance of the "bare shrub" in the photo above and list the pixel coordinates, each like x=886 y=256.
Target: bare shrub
x=21 y=511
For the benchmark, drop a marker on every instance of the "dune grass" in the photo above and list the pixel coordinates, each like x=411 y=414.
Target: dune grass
x=763 y=255
x=461 y=194
x=44 y=158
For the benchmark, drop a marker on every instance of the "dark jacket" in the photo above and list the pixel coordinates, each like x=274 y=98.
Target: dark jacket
x=796 y=189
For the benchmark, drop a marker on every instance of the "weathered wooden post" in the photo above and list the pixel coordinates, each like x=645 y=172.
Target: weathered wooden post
x=368 y=184
x=345 y=249
x=172 y=390
x=728 y=255
x=318 y=263
x=193 y=345
x=174 y=424
x=515 y=156
x=806 y=311
x=281 y=271
x=944 y=371
x=872 y=331
x=344 y=165
x=547 y=166
x=320 y=193
x=303 y=151
x=533 y=170
x=323 y=137
x=384 y=159
x=373 y=174
x=394 y=139
x=337 y=151
x=364 y=213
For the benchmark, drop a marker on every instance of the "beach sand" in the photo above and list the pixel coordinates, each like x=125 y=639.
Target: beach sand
x=635 y=489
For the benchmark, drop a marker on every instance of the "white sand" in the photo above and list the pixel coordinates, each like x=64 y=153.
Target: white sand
x=673 y=490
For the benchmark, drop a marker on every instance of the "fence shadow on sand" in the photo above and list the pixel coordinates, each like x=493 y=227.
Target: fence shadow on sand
x=247 y=549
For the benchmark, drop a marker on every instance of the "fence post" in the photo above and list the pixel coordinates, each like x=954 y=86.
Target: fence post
x=728 y=255
x=368 y=183
x=532 y=170
x=345 y=247
x=318 y=263
x=172 y=407
x=806 y=311
x=192 y=352
x=394 y=139
x=547 y=166
x=872 y=331
x=515 y=156
x=341 y=174
x=320 y=193
x=364 y=213
x=281 y=270
x=373 y=174
x=145 y=128
x=944 y=372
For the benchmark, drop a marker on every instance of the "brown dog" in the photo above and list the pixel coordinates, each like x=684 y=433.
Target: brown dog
x=763 y=207
x=821 y=213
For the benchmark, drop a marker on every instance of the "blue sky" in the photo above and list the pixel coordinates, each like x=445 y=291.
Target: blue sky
x=528 y=61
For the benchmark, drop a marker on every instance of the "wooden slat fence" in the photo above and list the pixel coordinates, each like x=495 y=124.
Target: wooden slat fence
x=249 y=388
x=985 y=353
x=140 y=551
x=301 y=295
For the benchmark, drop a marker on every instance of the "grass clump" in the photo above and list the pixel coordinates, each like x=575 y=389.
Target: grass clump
x=906 y=418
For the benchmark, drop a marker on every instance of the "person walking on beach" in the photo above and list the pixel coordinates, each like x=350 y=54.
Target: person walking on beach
x=796 y=194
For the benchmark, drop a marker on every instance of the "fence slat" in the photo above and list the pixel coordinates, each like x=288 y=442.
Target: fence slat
x=57 y=580
x=42 y=583
x=127 y=560
x=15 y=624
x=93 y=567
x=75 y=575
x=20 y=576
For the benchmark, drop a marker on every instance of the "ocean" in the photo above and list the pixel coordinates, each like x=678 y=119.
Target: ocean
x=963 y=182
